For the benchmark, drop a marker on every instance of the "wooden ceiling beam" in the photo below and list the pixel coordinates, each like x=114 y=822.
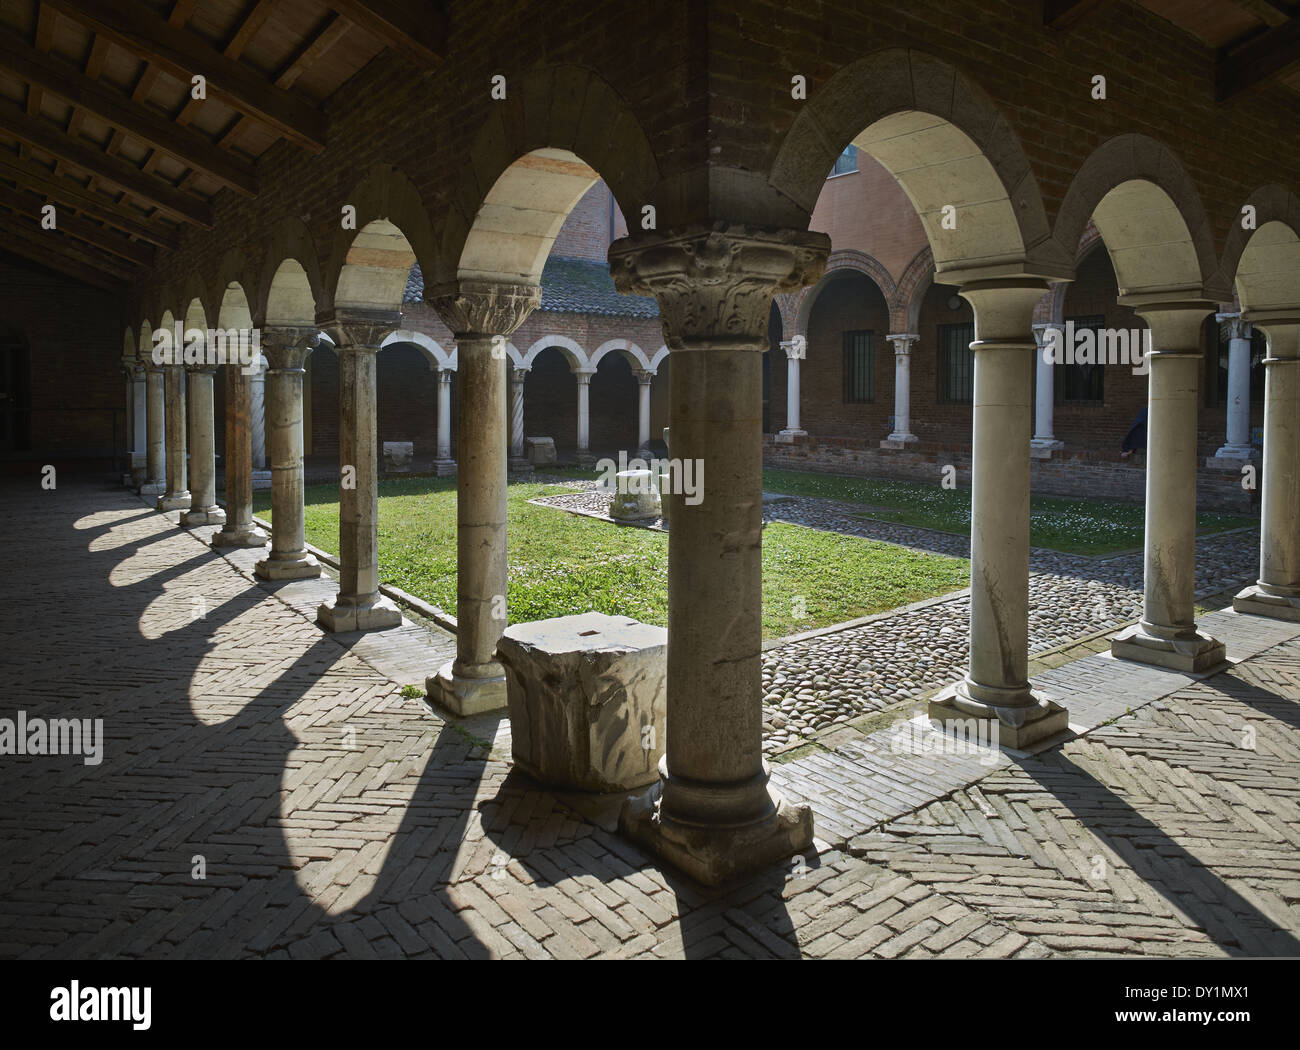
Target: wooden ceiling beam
x=1260 y=59
x=48 y=245
x=416 y=29
x=67 y=267
x=1065 y=14
x=25 y=204
x=137 y=28
x=67 y=82
x=47 y=137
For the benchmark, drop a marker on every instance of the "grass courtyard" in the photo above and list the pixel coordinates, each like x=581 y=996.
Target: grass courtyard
x=562 y=563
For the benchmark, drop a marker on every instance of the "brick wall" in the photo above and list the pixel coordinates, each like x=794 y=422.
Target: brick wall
x=868 y=210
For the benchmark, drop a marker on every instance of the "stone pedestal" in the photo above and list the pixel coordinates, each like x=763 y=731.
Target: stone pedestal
x=286 y=350
x=359 y=606
x=714 y=813
x=476 y=311
x=1277 y=592
x=996 y=686
x=1166 y=635
x=398 y=457
x=541 y=451
x=587 y=700
x=635 y=496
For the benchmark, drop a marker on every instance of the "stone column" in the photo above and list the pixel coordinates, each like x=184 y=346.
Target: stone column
x=795 y=350
x=177 y=496
x=139 y=426
x=1166 y=635
x=1238 y=446
x=154 y=482
x=358 y=335
x=1044 y=442
x=584 y=418
x=239 y=529
x=286 y=350
x=203 y=452
x=644 y=377
x=902 y=435
x=714 y=813
x=476 y=311
x=518 y=462
x=1278 y=591
x=444 y=464
x=257 y=416
x=996 y=687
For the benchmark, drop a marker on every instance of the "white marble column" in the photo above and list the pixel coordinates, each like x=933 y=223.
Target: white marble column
x=203 y=449
x=714 y=812
x=1237 y=446
x=996 y=687
x=644 y=377
x=518 y=462
x=444 y=465
x=794 y=354
x=1166 y=635
x=177 y=496
x=584 y=417
x=1044 y=442
x=357 y=336
x=902 y=435
x=1277 y=593
x=476 y=311
x=239 y=529
x=286 y=350
x=257 y=415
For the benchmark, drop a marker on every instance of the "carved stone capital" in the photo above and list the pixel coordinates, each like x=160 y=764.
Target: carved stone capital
x=902 y=343
x=714 y=284
x=644 y=376
x=208 y=368
x=518 y=375
x=286 y=347
x=132 y=369
x=359 y=329
x=483 y=308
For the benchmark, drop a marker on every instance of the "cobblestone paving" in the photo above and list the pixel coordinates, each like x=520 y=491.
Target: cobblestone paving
x=812 y=684
x=334 y=819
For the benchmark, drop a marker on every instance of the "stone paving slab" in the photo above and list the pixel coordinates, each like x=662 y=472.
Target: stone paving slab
x=335 y=819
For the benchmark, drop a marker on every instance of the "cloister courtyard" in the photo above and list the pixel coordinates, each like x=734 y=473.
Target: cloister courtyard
x=713 y=479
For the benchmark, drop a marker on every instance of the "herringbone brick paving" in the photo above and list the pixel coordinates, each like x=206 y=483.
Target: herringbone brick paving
x=336 y=819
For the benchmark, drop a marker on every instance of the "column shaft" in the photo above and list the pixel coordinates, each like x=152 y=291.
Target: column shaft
x=444 y=464
x=1044 y=439
x=155 y=483
x=203 y=504
x=584 y=412
x=177 y=496
x=902 y=435
x=239 y=529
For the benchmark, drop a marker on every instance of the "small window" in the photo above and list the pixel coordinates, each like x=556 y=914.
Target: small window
x=859 y=367
x=1084 y=382
x=956 y=363
x=845 y=162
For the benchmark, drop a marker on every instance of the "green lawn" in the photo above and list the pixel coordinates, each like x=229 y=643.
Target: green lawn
x=562 y=563
x=1074 y=526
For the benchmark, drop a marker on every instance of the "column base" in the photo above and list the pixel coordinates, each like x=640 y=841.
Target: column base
x=466 y=696
x=1018 y=726
x=1197 y=653
x=1257 y=601
x=175 y=501
x=152 y=488
x=1042 y=448
x=585 y=459
x=250 y=537
x=900 y=441
x=519 y=465
x=261 y=479
x=444 y=467
x=787 y=437
x=350 y=614
x=714 y=853
x=1231 y=459
x=208 y=516
x=296 y=567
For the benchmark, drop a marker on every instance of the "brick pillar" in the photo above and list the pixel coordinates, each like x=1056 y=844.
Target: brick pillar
x=714 y=813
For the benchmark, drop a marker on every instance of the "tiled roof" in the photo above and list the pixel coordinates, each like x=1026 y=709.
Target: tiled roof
x=578 y=286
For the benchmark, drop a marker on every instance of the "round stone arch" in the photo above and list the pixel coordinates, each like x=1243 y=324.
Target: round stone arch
x=839 y=263
x=636 y=357
x=1052 y=307
x=289 y=286
x=543 y=144
x=577 y=356
x=1149 y=214
x=1256 y=261
x=438 y=358
x=945 y=141
x=234 y=271
x=368 y=267
x=659 y=357
x=915 y=282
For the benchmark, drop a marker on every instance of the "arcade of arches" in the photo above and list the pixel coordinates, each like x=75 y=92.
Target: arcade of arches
x=1025 y=197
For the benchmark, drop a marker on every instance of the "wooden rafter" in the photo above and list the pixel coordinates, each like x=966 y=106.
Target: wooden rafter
x=1065 y=14
x=1261 y=58
x=415 y=29
x=28 y=205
